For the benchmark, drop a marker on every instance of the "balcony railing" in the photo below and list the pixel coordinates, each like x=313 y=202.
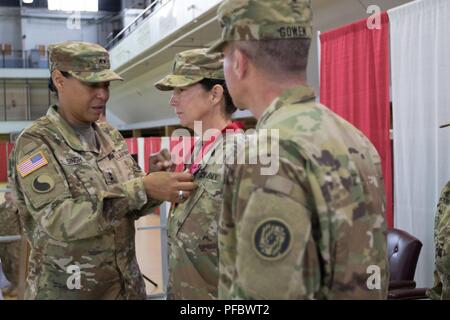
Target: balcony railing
x=32 y=59
x=113 y=40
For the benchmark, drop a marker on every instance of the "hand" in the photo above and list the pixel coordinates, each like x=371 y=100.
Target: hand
x=165 y=186
x=161 y=161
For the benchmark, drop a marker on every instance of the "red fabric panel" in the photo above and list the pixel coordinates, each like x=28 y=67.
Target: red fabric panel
x=5 y=150
x=151 y=145
x=132 y=145
x=354 y=83
x=180 y=147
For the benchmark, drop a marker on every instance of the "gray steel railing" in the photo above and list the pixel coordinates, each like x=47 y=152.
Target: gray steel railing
x=30 y=59
x=150 y=10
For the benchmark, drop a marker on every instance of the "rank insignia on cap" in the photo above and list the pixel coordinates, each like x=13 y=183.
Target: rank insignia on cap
x=31 y=164
x=272 y=239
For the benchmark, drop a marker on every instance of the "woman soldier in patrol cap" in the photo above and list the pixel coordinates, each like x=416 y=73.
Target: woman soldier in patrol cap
x=79 y=190
x=199 y=94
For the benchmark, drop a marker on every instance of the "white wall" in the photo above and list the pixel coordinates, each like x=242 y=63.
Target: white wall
x=10 y=31
x=129 y=15
x=43 y=27
x=37 y=32
x=7 y=127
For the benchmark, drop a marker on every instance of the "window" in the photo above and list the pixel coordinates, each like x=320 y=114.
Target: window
x=39 y=99
x=2 y=101
x=16 y=100
x=70 y=5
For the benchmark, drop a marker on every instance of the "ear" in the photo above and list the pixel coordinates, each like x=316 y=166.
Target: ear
x=58 y=79
x=216 y=94
x=240 y=63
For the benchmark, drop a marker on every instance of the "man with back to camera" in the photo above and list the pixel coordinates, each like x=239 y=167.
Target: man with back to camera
x=315 y=229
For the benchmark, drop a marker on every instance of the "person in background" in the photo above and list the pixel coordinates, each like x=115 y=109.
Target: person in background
x=10 y=251
x=441 y=288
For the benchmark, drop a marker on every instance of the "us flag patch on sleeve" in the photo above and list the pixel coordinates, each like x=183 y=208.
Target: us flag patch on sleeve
x=31 y=164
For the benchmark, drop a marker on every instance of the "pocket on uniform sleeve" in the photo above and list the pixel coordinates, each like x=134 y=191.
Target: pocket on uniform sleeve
x=273 y=234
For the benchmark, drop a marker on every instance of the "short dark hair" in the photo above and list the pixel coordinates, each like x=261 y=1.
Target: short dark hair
x=279 y=58
x=208 y=84
x=51 y=85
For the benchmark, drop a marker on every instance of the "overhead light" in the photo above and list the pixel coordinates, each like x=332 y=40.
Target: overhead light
x=27 y=1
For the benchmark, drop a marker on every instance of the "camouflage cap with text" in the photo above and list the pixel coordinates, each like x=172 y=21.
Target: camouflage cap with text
x=192 y=66
x=263 y=20
x=85 y=61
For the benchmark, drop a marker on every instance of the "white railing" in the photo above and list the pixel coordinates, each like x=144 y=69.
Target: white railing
x=152 y=27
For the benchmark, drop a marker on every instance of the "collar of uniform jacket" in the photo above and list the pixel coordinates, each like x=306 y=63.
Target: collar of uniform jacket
x=72 y=139
x=289 y=96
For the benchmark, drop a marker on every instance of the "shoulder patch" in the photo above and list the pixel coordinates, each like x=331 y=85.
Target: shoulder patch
x=272 y=239
x=31 y=164
x=43 y=183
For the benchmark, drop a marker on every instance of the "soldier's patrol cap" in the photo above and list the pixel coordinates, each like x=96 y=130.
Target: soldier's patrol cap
x=263 y=20
x=85 y=61
x=192 y=66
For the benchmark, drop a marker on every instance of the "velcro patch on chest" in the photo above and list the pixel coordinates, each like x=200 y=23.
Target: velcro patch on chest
x=73 y=160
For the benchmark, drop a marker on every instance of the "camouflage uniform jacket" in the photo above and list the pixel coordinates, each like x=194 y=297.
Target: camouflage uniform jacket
x=10 y=251
x=78 y=209
x=314 y=229
x=9 y=220
x=192 y=229
x=441 y=289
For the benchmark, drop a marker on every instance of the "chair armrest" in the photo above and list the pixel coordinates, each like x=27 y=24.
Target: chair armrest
x=407 y=294
x=402 y=284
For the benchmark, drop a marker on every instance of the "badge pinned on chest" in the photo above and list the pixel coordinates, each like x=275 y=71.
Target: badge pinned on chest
x=272 y=239
x=43 y=183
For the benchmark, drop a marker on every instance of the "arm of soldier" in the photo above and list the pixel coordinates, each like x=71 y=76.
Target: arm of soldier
x=276 y=257
x=65 y=216
x=151 y=204
x=18 y=200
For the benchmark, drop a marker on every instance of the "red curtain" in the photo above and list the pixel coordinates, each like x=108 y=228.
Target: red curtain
x=5 y=150
x=132 y=145
x=354 y=83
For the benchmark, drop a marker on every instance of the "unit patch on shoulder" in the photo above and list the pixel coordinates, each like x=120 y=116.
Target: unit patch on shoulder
x=272 y=239
x=31 y=164
x=43 y=183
